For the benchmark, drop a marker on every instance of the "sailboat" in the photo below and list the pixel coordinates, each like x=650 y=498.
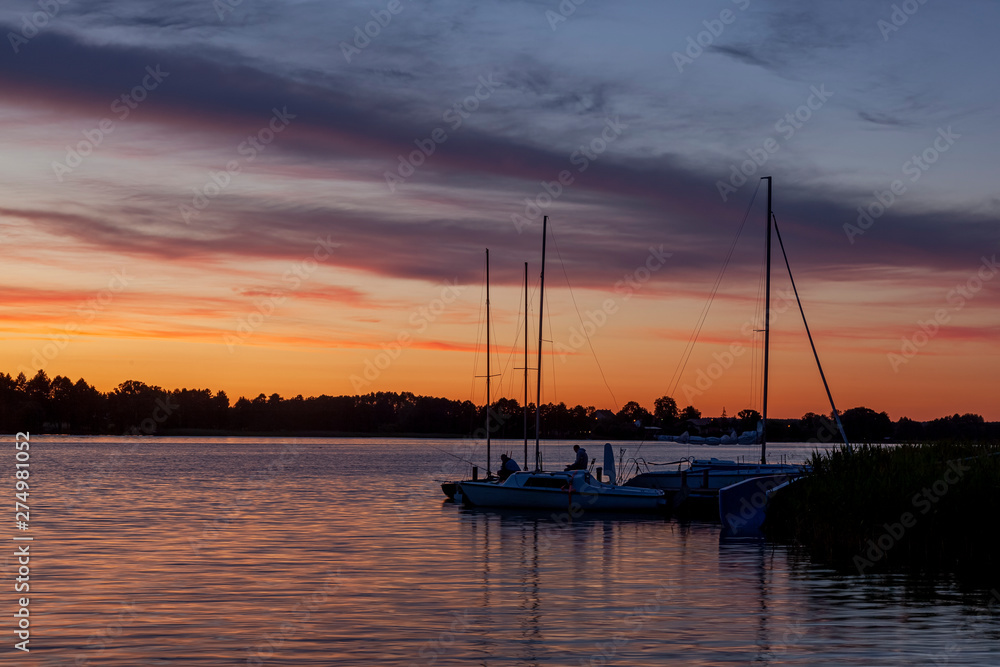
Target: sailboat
x=450 y=488
x=696 y=486
x=571 y=489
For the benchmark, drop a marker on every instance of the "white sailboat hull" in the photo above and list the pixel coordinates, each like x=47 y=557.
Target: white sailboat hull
x=707 y=477
x=743 y=506
x=561 y=491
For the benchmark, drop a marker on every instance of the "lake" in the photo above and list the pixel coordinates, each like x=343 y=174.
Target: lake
x=268 y=551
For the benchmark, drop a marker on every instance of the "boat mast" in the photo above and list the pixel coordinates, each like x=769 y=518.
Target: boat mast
x=541 y=315
x=525 y=365
x=488 y=459
x=767 y=324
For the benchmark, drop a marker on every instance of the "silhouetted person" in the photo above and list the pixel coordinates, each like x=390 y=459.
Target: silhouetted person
x=581 y=459
x=508 y=466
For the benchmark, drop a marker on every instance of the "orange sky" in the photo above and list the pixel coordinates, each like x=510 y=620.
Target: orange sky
x=110 y=318
x=264 y=220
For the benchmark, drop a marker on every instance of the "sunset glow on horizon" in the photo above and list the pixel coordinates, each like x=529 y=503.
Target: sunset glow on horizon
x=199 y=200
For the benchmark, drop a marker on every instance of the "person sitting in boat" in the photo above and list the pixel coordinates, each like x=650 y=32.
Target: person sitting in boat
x=508 y=466
x=581 y=459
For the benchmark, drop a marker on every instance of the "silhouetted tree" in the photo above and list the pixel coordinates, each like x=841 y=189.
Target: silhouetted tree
x=89 y=409
x=815 y=427
x=665 y=411
x=58 y=404
x=38 y=387
x=632 y=418
x=907 y=430
x=690 y=412
x=748 y=419
x=957 y=427
x=134 y=408
x=866 y=425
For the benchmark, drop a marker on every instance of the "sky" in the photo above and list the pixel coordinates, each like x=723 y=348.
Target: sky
x=296 y=197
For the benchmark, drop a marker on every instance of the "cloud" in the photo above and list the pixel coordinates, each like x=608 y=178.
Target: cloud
x=461 y=201
x=884 y=119
x=745 y=54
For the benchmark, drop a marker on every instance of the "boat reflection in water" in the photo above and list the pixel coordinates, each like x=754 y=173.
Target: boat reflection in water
x=539 y=589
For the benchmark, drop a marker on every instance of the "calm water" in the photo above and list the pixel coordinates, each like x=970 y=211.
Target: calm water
x=233 y=551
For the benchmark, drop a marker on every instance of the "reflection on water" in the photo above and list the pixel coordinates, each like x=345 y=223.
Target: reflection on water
x=340 y=552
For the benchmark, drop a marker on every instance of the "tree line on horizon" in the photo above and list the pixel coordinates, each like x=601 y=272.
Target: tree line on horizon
x=59 y=405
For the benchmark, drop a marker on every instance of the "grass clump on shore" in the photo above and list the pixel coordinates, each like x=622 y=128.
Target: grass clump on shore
x=876 y=509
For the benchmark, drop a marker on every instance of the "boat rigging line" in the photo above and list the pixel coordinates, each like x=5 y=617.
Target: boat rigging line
x=513 y=349
x=453 y=455
x=836 y=415
x=689 y=348
x=475 y=359
x=582 y=327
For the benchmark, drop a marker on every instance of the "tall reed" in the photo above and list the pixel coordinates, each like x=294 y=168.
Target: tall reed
x=878 y=508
